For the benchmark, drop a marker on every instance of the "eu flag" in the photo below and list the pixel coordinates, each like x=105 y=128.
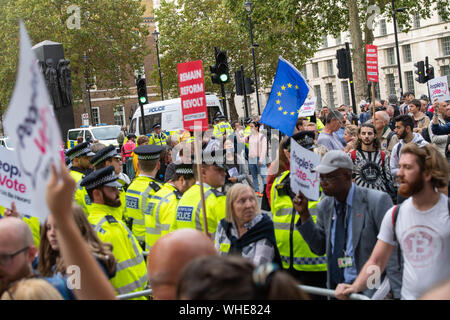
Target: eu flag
x=289 y=91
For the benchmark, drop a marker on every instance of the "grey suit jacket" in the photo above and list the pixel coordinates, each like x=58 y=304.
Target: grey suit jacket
x=368 y=210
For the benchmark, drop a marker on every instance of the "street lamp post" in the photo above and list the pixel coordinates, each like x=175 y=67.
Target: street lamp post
x=156 y=36
x=88 y=86
x=248 y=8
x=396 y=44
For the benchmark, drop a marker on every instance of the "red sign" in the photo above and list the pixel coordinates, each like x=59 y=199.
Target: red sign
x=372 y=62
x=192 y=94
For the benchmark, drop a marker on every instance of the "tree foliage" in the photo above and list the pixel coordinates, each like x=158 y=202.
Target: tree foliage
x=110 y=33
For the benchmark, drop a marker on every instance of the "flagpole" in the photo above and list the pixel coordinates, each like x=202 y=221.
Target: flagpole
x=198 y=156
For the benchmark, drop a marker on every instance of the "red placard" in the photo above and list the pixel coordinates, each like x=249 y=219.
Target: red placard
x=192 y=94
x=372 y=62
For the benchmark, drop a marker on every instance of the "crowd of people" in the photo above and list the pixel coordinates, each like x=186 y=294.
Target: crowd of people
x=228 y=226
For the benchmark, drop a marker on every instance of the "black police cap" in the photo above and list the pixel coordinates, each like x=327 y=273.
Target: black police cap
x=303 y=138
x=104 y=154
x=148 y=152
x=102 y=177
x=81 y=149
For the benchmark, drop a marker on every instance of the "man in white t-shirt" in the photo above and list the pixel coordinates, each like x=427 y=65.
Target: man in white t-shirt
x=422 y=227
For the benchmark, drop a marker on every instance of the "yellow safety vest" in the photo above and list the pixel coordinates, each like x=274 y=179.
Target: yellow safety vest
x=190 y=213
x=131 y=271
x=247 y=132
x=153 y=139
x=222 y=128
x=81 y=196
x=163 y=212
x=137 y=197
x=282 y=210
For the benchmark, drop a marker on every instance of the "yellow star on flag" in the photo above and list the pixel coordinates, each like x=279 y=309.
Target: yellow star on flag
x=298 y=111
x=280 y=108
x=283 y=88
x=285 y=113
x=296 y=86
x=279 y=93
x=278 y=101
x=289 y=85
x=292 y=113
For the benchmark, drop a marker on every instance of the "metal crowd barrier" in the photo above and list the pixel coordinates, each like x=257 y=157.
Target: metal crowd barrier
x=307 y=289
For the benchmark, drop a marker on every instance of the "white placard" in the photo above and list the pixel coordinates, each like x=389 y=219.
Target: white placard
x=439 y=89
x=33 y=128
x=308 y=108
x=302 y=176
x=171 y=121
x=13 y=185
x=233 y=172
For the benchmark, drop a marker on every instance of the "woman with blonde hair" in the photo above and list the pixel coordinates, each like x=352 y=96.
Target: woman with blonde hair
x=31 y=289
x=50 y=261
x=350 y=137
x=244 y=230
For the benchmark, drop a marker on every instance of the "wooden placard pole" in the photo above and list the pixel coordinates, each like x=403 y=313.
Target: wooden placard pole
x=198 y=157
x=373 y=102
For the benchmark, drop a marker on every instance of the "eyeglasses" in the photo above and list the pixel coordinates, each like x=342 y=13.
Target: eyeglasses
x=6 y=259
x=329 y=179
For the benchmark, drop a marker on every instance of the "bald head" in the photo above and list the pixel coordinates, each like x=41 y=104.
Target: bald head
x=170 y=254
x=15 y=232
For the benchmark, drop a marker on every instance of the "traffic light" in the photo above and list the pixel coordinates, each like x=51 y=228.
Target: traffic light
x=249 y=82
x=429 y=70
x=220 y=71
x=420 y=72
x=238 y=79
x=342 y=64
x=142 y=91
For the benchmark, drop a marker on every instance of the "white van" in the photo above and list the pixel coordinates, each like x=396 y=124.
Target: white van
x=105 y=134
x=168 y=113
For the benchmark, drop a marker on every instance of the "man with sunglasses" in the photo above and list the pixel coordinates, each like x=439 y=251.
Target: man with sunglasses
x=348 y=222
x=17 y=251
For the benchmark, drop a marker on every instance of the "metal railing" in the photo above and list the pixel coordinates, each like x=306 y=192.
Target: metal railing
x=307 y=289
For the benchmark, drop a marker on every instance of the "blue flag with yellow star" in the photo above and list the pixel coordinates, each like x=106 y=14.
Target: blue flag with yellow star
x=289 y=91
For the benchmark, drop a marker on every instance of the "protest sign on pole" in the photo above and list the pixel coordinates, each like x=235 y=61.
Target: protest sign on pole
x=32 y=127
x=195 y=115
x=439 y=89
x=303 y=178
x=13 y=185
x=308 y=108
x=171 y=121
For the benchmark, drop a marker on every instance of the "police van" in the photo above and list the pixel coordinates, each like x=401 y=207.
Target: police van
x=105 y=134
x=168 y=113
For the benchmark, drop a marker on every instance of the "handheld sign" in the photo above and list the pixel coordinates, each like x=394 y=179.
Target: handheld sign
x=372 y=62
x=13 y=185
x=302 y=176
x=32 y=127
x=439 y=89
x=192 y=94
x=308 y=107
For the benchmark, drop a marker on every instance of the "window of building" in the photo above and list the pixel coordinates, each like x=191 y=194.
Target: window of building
x=318 y=95
x=325 y=42
x=315 y=69
x=383 y=28
x=416 y=20
x=304 y=72
x=119 y=115
x=446 y=46
x=391 y=83
x=390 y=56
x=445 y=70
x=345 y=92
x=330 y=94
x=95 y=115
x=407 y=53
x=409 y=76
x=330 y=67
